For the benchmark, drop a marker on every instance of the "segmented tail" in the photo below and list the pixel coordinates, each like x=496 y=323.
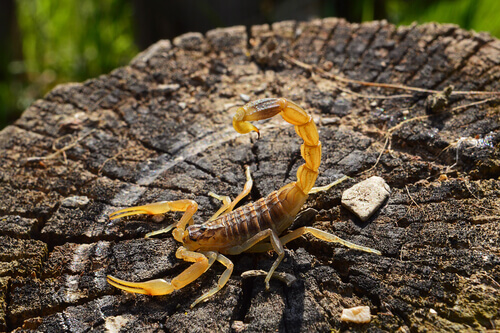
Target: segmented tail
x=304 y=126
x=293 y=195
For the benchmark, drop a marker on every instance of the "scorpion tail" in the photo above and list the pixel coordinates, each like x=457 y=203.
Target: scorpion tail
x=305 y=128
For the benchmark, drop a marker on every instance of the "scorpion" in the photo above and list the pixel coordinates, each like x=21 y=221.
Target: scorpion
x=255 y=227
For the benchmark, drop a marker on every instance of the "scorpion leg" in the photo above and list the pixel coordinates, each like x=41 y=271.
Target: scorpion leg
x=327 y=187
x=227 y=204
x=222 y=280
x=276 y=245
x=323 y=235
x=265 y=247
x=162 y=287
x=226 y=201
x=189 y=207
x=165 y=230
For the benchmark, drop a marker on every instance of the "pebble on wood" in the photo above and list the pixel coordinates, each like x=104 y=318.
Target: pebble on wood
x=75 y=201
x=357 y=315
x=365 y=198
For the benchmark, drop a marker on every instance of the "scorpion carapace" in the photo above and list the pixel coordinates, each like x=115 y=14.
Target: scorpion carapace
x=255 y=227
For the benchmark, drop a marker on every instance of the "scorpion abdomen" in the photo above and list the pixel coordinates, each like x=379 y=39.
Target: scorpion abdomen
x=243 y=223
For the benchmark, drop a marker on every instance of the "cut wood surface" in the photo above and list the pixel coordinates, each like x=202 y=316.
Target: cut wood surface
x=160 y=129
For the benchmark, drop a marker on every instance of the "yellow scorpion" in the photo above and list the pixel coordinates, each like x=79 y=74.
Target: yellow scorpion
x=255 y=227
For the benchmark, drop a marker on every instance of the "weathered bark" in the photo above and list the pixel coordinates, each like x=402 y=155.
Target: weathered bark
x=160 y=129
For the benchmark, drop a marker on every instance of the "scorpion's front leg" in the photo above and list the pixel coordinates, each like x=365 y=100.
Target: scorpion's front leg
x=188 y=206
x=162 y=287
x=228 y=205
x=222 y=280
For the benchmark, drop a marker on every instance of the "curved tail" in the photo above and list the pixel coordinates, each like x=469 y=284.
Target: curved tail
x=304 y=126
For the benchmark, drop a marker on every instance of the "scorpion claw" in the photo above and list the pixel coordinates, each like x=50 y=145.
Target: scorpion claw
x=151 y=287
x=125 y=212
x=150 y=209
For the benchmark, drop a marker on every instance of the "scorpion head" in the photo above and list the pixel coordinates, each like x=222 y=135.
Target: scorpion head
x=197 y=236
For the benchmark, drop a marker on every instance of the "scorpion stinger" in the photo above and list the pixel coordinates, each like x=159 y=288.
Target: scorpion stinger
x=254 y=227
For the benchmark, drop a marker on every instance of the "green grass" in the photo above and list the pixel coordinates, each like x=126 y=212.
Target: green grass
x=64 y=41
x=478 y=15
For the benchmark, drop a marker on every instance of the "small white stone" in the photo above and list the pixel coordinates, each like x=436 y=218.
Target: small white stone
x=365 y=198
x=245 y=98
x=238 y=326
x=357 y=315
x=168 y=88
x=115 y=324
x=432 y=311
x=331 y=121
x=75 y=202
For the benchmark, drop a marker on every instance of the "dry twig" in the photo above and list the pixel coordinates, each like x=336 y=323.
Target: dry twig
x=60 y=151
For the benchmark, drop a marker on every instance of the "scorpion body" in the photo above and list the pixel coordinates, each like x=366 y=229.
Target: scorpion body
x=249 y=227
x=240 y=225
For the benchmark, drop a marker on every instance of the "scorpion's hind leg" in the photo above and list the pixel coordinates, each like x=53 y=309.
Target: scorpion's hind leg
x=189 y=207
x=320 y=234
x=327 y=187
x=323 y=235
x=162 y=287
x=228 y=205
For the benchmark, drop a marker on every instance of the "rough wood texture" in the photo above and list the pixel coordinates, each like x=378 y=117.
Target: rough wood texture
x=160 y=129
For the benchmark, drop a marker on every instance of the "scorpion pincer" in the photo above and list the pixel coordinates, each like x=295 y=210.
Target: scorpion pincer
x=255 y=227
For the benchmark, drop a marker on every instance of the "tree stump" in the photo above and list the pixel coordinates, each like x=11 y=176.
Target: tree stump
x=160 y=129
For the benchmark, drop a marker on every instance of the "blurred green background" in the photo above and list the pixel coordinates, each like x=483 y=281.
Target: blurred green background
x=47 y=42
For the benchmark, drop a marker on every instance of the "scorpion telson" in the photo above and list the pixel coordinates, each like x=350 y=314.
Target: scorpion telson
x=255 y=227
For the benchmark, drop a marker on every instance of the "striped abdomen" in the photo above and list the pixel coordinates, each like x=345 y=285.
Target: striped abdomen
x=237 y=226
